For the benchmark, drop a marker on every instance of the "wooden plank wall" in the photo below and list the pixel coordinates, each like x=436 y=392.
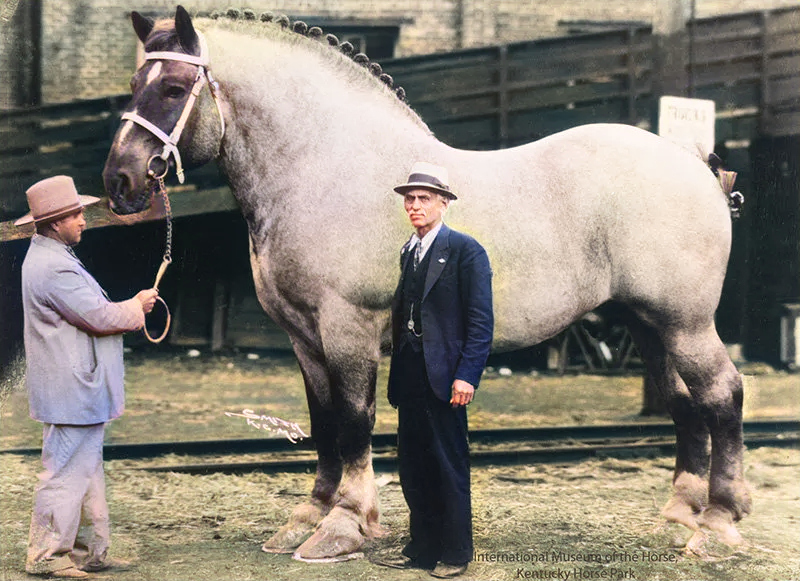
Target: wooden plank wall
x=512 y=94
x=749 y=64
x=72 y=138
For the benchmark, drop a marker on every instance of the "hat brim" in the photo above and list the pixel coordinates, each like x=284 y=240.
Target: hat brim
x=85 y=201
x=403 y=188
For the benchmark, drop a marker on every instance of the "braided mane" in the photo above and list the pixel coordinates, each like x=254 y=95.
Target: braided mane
x=314 y=33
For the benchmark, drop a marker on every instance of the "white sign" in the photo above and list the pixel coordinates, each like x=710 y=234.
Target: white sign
x=687 y=122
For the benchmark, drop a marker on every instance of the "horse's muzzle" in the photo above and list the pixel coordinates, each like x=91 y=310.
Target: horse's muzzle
x=122 y=196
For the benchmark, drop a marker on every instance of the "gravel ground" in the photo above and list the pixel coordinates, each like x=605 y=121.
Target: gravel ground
x=596 y=519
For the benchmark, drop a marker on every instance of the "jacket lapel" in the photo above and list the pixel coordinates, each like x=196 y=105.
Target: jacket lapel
x=404 y=258
x=439 y=251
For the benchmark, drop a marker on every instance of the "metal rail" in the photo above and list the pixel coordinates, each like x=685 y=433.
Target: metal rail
x=551 y=452
x=548 y=438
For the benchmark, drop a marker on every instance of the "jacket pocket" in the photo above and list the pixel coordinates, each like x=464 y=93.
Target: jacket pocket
x=88 y=370
x=90 y=378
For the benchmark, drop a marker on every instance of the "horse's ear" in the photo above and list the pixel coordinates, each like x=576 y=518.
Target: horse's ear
x=186 y=34
x=142 y=25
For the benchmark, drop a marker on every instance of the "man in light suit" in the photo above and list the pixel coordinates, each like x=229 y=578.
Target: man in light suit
x=73 y=350
x=442 y=325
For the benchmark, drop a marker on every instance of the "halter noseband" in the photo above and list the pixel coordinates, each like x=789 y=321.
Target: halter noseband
x=171 y=141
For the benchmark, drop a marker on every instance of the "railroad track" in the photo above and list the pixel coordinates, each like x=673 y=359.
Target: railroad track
x=488 y=447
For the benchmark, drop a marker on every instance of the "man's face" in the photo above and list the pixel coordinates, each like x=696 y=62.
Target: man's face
x=70 y=228
x=424 y=208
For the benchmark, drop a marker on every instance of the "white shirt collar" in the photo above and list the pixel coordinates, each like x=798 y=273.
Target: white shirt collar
x=427 y=240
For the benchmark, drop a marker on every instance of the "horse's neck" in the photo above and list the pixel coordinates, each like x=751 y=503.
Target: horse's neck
x=298 y=129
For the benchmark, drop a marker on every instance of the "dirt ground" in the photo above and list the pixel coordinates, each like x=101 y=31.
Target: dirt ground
x=596 y=519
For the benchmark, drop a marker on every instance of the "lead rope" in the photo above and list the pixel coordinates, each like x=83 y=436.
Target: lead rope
x=165 y=261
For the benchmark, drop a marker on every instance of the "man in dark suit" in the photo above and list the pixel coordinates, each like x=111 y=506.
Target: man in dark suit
x=442 y=326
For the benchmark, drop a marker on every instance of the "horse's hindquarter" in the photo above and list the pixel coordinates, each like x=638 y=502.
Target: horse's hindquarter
x=590 y=214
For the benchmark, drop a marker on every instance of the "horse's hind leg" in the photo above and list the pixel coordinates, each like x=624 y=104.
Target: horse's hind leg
x=690 y=484
x=324 y=431
x=716 y=389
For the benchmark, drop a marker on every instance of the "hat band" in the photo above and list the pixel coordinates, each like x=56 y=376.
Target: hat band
x=417 y=178
x=55 y=213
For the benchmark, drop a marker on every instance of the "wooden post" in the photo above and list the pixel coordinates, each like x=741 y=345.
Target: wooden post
x=502 y=96
x=765 y=120
x=631 y=62
x=219 y=317
x=670 y=51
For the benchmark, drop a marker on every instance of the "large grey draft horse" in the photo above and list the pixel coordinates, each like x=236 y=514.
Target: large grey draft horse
x=311 y=141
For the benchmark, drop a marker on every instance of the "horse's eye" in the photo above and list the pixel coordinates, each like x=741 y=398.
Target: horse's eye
x=175 y=92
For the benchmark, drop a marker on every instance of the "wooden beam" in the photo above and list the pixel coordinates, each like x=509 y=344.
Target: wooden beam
x=502 y=96
x=184 y=202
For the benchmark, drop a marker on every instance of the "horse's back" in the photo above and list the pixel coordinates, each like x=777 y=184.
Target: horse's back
x=594 y=213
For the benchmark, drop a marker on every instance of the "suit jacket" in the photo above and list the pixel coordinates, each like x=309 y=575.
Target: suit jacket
x=456 y=312
x=73 y=345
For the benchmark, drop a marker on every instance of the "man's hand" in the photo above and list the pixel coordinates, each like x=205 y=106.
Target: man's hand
x=148 y=299
x=462 y=393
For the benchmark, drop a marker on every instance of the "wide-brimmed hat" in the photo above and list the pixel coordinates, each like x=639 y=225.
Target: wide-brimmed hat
x=53 y=198
x=428 y=176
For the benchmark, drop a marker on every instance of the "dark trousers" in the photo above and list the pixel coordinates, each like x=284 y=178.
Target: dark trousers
x=433 y=456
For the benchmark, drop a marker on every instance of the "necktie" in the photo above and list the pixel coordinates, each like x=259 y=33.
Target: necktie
x=417 y=254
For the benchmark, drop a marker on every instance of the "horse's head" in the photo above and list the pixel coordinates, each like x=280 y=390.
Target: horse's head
x=172 y=119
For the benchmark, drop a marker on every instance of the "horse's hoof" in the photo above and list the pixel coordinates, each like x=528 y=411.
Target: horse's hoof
x=697 y=545
x=679 y=511
x=378 y=531
x=287 y=539
x=689 y=497
x=338 y=535
x=294 y=533
x=337 y=559
x=720 y=521
x=667 y=534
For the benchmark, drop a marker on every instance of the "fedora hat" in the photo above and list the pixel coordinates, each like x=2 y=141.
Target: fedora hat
x=428 y=176
x=53 y=198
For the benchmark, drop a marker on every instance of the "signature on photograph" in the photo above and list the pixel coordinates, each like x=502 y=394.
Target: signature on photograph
x=290 y=430
x=9 y=7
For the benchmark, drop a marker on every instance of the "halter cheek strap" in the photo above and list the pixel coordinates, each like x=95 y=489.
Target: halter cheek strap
x=202 y=78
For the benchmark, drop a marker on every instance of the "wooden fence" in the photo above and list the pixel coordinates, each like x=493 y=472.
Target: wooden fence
x=749 y=64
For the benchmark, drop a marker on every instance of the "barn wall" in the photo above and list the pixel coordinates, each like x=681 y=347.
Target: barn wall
x=773 y=245
x=89 y=50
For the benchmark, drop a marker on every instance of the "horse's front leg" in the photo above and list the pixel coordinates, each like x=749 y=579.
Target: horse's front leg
x=324 y=431
x=350 y=338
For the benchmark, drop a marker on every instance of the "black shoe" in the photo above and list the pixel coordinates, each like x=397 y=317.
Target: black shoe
x=445 y=571
x=402 y=562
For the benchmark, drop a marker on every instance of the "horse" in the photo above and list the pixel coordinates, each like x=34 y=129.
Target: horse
x=311 y=139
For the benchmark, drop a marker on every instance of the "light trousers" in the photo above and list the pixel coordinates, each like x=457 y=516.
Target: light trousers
x=70 y=524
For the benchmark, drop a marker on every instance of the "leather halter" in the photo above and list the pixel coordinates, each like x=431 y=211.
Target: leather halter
x=202 y=78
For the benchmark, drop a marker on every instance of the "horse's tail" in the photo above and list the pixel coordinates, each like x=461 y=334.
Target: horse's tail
x=726 y=181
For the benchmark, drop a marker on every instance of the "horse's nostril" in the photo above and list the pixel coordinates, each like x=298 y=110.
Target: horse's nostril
x=120 y=186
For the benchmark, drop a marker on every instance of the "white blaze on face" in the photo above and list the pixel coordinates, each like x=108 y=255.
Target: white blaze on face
x=126 y=128
x=154 y=72
x=151 y=76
